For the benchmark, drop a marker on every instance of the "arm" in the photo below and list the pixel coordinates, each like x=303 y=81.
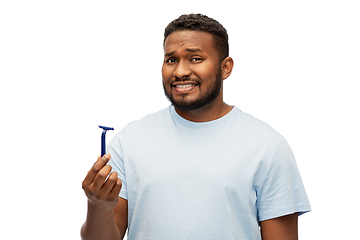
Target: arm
x=281 y=228
x=107 y=213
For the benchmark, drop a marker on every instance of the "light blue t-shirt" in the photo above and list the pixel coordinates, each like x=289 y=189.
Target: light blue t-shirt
x=211 y=180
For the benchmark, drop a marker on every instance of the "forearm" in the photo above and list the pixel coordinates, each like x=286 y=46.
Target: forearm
x=100 y=225
x=285 y=227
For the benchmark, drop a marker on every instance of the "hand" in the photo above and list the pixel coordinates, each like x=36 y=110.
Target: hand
x=101 y=192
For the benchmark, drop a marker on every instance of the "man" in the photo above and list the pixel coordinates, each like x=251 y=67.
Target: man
x=199 y=169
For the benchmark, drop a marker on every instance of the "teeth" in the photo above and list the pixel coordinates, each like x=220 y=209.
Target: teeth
x=184 y=86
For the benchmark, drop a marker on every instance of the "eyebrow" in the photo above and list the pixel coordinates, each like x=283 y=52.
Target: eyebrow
x=193 y=50
x=169 y=54
x=187 y=49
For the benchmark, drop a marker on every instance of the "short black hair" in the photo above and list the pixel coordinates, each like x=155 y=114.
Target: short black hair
x=200 y=22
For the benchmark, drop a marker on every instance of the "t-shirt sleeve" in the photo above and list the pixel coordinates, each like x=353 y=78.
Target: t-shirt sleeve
x=117 y=164
x=281 y=190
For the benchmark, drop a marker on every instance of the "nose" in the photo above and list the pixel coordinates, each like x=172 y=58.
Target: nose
x=182 y=70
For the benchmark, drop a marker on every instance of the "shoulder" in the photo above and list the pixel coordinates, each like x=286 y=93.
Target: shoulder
x=255 y=128
x=148 y=123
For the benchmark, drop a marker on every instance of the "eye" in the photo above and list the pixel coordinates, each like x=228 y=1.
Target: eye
x=171 y=60
x=196 y=59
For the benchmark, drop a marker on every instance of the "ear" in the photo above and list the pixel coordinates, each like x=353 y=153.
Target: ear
x=226 y=67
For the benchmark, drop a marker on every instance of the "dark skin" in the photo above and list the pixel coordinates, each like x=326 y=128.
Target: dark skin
x=107 y=212
x=281 y=228
x=191 y=59
x=191 y=54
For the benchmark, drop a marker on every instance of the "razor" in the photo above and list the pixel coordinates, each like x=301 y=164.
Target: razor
x=103 y=142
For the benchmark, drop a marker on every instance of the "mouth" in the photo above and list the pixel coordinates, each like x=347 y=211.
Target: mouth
x=183 y=88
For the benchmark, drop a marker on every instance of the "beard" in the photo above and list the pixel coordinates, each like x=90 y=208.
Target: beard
x=212 y=93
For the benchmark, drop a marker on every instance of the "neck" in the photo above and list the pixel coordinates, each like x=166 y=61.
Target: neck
x=207 y=113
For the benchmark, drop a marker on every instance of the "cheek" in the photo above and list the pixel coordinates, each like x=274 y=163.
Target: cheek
x=166 y=73
x=206 y=73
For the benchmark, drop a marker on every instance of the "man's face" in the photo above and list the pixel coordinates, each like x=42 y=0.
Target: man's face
x=191 y=70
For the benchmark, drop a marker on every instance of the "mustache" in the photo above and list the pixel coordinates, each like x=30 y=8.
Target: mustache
x=194 y=80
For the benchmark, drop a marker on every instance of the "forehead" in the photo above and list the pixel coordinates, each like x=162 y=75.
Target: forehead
x=181 y=40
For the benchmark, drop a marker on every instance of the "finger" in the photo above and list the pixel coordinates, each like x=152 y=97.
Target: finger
x=98 y=165
x=110 y=183
x=101 y=176
x=90 y=175
x=116 y=189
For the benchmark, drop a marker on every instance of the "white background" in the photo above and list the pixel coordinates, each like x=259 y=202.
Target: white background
x=68 y=66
